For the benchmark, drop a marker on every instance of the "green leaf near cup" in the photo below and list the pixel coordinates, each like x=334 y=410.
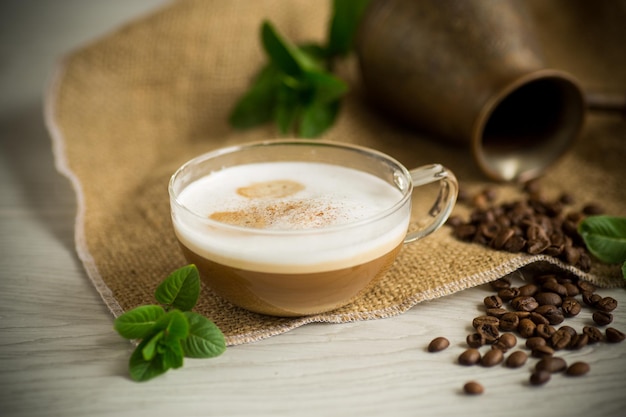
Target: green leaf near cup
x=605 y=238
x=169 y=334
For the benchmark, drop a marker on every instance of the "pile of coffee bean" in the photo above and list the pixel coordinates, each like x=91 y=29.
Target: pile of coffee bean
x=536 y=312
x=533 y=224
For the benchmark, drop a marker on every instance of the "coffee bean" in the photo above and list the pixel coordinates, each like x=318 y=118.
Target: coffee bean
x=552 y=364
x=500 y=284
x=551 y=313
x=509 y=322
x=480 y=320
x=502 y=237
x=536 y=232
x=528 y=290
x=586 y=286
x=473 y=388
x=497 y=312
x=571 y=307
x=492 y=358
x=578 y=341
x=524 y=303
x=534 y=342
x=545 y=331
x=492 y=301
x=489 y=229
x=578 y=369
x=475 y=340
x=614 y=336
x=593 y=333
x=548 y=298
x=572 y=289
x=542 y=351
x=545 y=278
x=568 y=329
x=560 y=339
x=538 y=319
x=488 y=331
x=537 y=246
x=455 y=220
x=607 y=304
x=526 y=328
x=602 y=318
x=514 y=244
x=469 y=357
x=571 y=254
x=540 y=377
x=507 y=294
x=438 y=344
x=555 y=287
x=505 y=342
x=516 y=359
x=465 y=231
x=591 y=299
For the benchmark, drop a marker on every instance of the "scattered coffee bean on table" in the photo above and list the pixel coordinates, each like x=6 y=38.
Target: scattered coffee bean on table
x=517 y=359
x=438 y=344
x=492 y=358
x=540 y=377
x=473 y=388
x=578 y=369
x=614 y=336
x=470 y=357
x=552 y=364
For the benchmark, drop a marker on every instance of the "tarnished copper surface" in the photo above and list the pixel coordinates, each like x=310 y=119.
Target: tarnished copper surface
x=471 y=72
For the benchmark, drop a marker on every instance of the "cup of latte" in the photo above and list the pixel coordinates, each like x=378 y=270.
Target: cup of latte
x=299 y=227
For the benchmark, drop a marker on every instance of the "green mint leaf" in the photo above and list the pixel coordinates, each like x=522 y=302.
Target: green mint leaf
x=327 y=88
x=141 y=369
x=343 y=25
x=605 y=237
x=180 y=289
x=149 y=351
x=138 y=322
x=287 y=109
x=205 y=339
x=283 y=54
x=317 y=118
x=257 y=105
x=172 y=355
x=315 y=52
x=174 y=325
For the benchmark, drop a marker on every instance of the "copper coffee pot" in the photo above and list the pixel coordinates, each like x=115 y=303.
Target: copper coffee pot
x=471 y=71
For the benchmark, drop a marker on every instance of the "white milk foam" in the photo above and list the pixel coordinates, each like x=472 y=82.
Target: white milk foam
x=292 y=196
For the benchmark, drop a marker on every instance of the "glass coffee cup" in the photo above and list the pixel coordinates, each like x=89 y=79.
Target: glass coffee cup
x=297 y=227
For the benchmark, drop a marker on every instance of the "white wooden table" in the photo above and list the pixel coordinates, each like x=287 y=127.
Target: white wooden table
x=59 y=355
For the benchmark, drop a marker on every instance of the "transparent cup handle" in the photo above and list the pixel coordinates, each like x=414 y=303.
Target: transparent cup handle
x=444 y=203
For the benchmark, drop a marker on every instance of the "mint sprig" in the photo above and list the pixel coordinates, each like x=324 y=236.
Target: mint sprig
x=170 y=332
x=605 y=237
x=296 y=89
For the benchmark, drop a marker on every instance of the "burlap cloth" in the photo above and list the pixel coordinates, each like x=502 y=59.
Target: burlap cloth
x=126 y=110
